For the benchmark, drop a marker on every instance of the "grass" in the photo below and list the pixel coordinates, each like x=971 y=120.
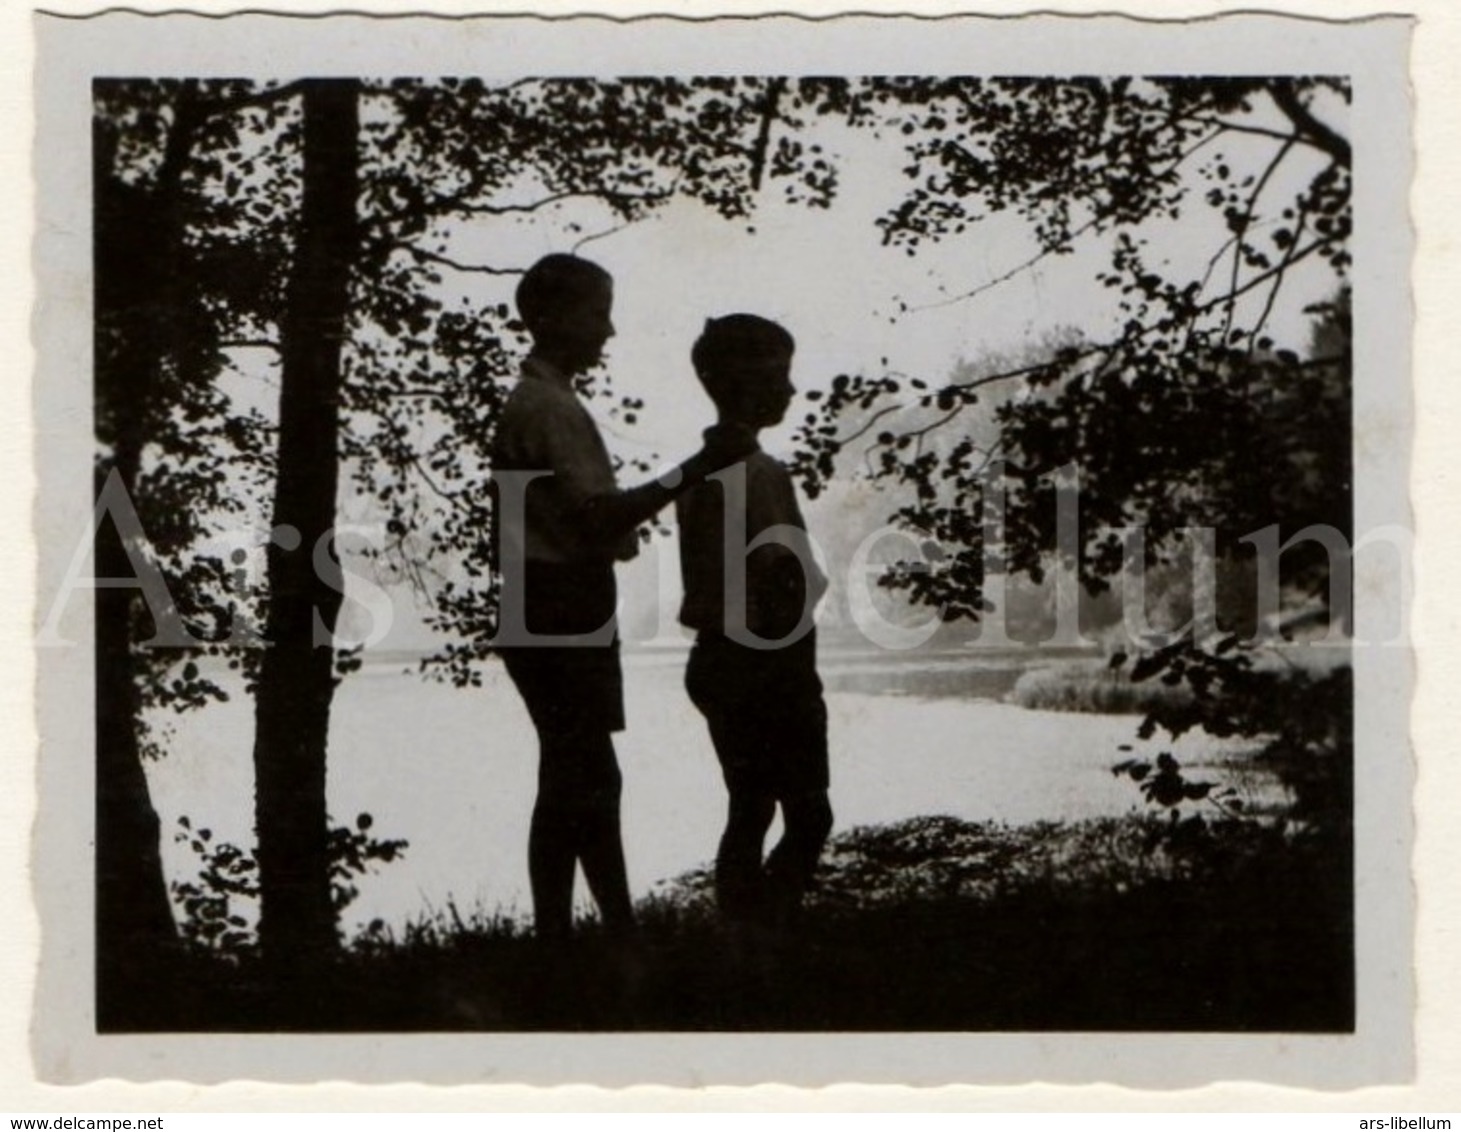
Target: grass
x=1091 y=687
x=930 y=924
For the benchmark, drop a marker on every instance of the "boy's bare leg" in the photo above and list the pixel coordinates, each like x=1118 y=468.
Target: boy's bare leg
x=552 y=849
x=576 y=819
x=789 y=868
x=599 y=843
x=601 y=849
x=738 y=862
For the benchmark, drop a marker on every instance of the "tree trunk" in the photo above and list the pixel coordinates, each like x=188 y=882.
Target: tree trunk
x=134 y=924
x=296 y=682
x=137 y=236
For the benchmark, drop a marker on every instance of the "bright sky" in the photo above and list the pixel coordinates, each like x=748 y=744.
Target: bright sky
x=827 y=277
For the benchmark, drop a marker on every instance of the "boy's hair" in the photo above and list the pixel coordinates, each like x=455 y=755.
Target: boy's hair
x=731 y=349
x=555 y=282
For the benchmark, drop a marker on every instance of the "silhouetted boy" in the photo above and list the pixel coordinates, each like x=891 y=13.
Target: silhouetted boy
x=751 y=586
x=562 y=523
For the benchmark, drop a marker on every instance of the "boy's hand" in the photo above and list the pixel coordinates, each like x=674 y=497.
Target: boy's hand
x=726 y=445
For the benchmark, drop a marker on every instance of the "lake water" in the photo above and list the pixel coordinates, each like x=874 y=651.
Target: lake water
x=452 y=771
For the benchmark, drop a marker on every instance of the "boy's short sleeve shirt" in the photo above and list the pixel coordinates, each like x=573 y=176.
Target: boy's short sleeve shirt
x=545 y=428
x=764 y=494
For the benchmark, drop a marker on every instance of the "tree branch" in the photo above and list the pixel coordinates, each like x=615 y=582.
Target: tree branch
x=1242 y=128
x=433 y=394
x=1213 y=262
x=1023 y=371
x=446 y=261
x=454 y=500
x=1106 y=352
x=1202 y=285
x=462 y=203
x=1261 y=278
x=592 y=236
x=1286 y=97
x=1247 y=223
x=763 y=134
x=919 y=433
x=1108 y=349
x=1278 y=279
x=210 y=108
x=1043 y=254
x=1094 y=223
x=868 y=424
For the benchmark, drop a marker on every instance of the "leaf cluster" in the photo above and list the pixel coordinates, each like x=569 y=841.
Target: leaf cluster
x=211 y=918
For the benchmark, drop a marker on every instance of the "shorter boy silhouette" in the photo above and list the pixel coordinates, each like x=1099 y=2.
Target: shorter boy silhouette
x=750 y=588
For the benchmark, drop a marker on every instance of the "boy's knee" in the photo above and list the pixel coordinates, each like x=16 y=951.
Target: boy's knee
x=751 y=809
x=811 y=816
x=579 y=771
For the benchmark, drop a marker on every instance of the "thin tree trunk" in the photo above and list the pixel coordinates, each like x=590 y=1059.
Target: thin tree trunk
x=296 y=682
x=134 y=923
x=137 y=239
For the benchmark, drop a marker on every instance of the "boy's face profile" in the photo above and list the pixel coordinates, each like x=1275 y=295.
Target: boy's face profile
x=764 y=392
x=573 y=336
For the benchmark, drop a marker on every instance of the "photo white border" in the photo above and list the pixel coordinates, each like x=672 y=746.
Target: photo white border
x=870 y=1053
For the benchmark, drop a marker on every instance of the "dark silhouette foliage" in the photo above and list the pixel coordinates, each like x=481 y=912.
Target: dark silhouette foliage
x=213 y=245
x=1188 y=415
x=228 y=876
x=308 y=223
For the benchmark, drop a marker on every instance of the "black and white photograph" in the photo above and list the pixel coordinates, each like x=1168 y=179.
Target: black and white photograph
x=727 y=529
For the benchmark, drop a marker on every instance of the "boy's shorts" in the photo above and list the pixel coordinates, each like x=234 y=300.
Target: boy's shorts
x=569 y=688
x=767 y=718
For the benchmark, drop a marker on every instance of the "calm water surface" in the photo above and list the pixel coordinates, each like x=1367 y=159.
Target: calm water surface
x=452 y=770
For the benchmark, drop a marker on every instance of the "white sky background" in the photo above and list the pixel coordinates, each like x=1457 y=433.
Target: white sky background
x=826 y=275
x=849 y=300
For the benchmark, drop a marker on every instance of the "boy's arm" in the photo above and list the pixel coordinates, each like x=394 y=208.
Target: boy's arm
x=561 y=439
x=780 y=593
x=785 y=580
x=786 y=586
x=610 y=515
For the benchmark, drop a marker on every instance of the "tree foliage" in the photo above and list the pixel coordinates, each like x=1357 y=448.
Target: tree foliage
x=429 y=366
x=1188 y=414
x=225 y=169
x=164 y=437
x=220 y=907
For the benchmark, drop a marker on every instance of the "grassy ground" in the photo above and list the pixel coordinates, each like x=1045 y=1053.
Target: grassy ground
x=931 y=924
x=1090 y=686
